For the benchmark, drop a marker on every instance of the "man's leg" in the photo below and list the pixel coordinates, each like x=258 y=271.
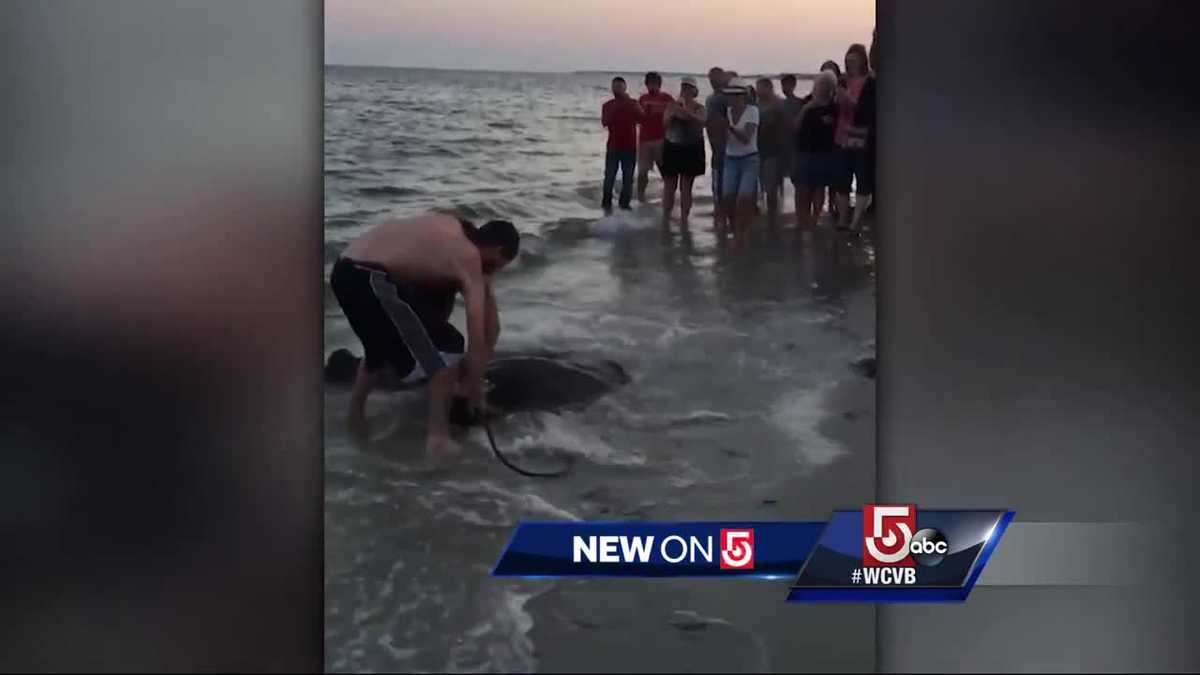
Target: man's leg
x=670 y=183
x=364 y=382
x=861 y=204
x=804 y=201
x=770 y=179
x=842 y=202
x=730 y=183
x=644 y=160
x=628 y=158
x=864 y=188
x=610 y=177
x=718 y=169
x=685 y=198
x=491 y=326
x=441 y=388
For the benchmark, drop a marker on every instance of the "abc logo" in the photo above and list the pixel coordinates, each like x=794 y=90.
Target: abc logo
x=929 y=547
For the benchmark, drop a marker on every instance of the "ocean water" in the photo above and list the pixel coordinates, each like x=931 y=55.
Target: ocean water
x=741 y=405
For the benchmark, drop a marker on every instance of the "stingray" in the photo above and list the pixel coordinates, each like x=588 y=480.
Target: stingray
x=520 y=382
x=516 y=382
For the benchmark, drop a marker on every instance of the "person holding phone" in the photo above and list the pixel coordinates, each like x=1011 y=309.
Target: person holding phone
x=683 y=150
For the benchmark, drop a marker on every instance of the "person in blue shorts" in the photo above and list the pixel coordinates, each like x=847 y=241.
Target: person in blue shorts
x=739 y=179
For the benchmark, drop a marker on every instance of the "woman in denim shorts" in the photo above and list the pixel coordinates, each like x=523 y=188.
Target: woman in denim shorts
x=739 y=180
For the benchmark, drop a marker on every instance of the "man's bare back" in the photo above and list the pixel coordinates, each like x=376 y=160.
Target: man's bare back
x=426 y=249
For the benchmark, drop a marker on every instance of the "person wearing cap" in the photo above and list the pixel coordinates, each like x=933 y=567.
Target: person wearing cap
x=683 y=149
x=650 y=136
x=715 y=108
x=739 y=180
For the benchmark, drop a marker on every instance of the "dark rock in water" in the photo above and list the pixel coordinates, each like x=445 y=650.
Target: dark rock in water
x=865 y=366
x=850 y=415
x=519 y=382
x=341 y=367
x=770 y=502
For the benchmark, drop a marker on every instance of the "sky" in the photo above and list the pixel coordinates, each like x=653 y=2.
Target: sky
x=750 y=36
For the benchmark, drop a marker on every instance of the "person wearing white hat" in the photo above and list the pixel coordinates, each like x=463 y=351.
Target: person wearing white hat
x=683 y=149
x=739 y=180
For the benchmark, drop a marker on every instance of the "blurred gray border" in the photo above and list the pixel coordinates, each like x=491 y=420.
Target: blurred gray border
x=1037 y=324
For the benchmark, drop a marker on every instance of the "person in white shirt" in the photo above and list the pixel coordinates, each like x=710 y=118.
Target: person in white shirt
x=739 y=180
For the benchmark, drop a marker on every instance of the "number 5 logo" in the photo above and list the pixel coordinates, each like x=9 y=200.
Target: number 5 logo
x=737 y=549
x=887 y=531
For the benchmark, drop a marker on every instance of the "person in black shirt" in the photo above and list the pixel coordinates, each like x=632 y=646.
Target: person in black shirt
x=814 y=167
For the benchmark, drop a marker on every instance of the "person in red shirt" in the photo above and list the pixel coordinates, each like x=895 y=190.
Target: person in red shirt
x=650 y=144
x=620 y=115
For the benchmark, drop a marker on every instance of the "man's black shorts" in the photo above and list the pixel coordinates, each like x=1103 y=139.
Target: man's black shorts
x=398 y=324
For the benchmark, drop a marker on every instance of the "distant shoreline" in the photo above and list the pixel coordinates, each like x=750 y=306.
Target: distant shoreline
x=773 y=74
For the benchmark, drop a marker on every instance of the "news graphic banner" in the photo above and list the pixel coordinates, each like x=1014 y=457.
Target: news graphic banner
x=882 y=553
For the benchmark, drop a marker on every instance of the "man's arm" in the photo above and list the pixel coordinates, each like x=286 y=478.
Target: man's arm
x=604 y=115
x=717 y=125
x=474 y=290
x=492 y=316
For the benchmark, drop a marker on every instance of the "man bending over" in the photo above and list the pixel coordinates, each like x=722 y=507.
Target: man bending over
x=396 y=284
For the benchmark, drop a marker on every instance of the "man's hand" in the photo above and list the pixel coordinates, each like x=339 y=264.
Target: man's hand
x=475 y=393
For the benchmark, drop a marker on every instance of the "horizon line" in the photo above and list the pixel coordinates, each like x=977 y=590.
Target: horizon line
x=587 y=71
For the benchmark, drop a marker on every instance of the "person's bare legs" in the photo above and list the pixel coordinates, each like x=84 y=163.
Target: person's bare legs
x=772 y=186
x=861 y=204
x=804 y=205
x=744 y=208
x=843 y=210
x=364 y=382
x=669 y=185
x=437 y=437
x=728 y=213
x=644 y=159
x=720 y=204
x=685 y=199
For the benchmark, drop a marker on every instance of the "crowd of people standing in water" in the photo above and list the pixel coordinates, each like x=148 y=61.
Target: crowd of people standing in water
x=824 y=142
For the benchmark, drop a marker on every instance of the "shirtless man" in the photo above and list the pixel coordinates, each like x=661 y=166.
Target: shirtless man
x=396 y=284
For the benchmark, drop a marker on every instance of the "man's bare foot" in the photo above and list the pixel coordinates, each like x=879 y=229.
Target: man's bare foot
x=441 y=446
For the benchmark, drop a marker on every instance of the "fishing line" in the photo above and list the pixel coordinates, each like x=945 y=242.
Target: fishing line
x=504 y=460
